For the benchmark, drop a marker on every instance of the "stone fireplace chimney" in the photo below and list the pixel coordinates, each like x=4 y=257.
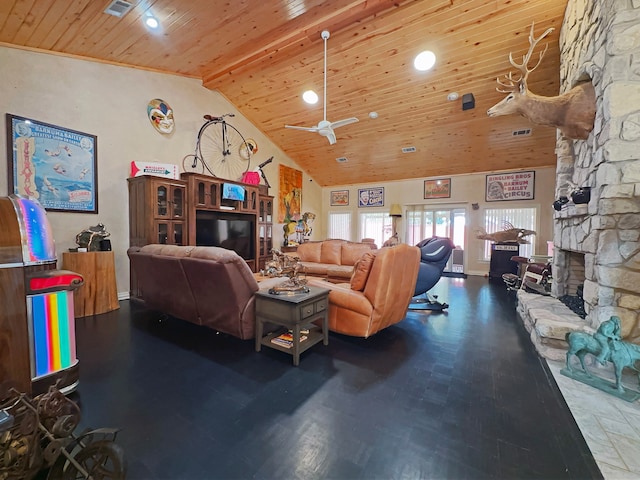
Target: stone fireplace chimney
x=600 y=42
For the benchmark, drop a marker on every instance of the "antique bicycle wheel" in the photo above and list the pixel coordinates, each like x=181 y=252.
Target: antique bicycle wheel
x=192 y=164
x=223 y=150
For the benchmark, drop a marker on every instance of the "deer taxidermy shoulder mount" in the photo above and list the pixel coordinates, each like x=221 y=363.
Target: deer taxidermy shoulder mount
x=573 y=112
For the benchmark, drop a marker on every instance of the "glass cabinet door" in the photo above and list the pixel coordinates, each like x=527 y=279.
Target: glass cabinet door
x=161 y=201
x=162 y=233
x=178 y=202
x=177 y=233
x=269 y=210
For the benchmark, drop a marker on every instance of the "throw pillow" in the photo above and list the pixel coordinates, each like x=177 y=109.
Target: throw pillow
x=361 y=271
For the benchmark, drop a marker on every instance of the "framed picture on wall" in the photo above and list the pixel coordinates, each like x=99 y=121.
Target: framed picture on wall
x=371 y=197
x=339 y=198
x=55 y=165
x=502 y=187
x=437 y=188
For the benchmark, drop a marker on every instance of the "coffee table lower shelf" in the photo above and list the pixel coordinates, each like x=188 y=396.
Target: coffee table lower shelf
x=314 y=336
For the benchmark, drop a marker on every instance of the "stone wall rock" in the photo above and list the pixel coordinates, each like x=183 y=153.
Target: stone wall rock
x=600 y=42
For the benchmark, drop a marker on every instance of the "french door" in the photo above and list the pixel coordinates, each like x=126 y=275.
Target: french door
x=424 y=221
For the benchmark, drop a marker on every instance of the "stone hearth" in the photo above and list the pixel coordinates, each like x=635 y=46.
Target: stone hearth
x=548 y=320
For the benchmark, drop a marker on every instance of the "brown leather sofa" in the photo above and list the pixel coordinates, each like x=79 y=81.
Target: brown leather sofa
x=378 y=293
x=331 y=259
x=207 y=286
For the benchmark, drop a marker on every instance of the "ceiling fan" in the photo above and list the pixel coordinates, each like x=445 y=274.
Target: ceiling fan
x=325 y=127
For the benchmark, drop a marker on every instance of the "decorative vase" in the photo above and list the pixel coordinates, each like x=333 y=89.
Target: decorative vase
x=557 y=205
x=581 y=195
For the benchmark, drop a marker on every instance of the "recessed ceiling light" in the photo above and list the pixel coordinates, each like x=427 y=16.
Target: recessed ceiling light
x=373 y=115
x=425 y=61
x=152 y=22
x=453 y=96
x=310 y=97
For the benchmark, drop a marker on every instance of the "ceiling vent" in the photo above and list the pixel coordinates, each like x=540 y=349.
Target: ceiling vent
x=119 y=8
x=341 y=159
x=409 y=150
x=525 y=132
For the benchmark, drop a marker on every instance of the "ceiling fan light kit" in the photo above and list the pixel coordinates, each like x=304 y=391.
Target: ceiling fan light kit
x=325 y=127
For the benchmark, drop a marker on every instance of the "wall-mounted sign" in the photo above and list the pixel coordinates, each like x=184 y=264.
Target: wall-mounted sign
x=339 y=198
x=510 y=186
x=371 y=197
x=438 y=188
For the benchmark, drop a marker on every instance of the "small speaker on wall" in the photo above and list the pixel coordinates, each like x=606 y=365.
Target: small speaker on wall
x=468 y=102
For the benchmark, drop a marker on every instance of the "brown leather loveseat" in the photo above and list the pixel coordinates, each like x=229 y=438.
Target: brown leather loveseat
x=207 y=286
x=332 y=259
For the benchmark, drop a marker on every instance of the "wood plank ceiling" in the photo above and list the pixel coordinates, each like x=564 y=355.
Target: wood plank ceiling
x=262 y=55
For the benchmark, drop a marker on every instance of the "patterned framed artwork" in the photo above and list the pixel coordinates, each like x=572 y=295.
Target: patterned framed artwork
x=339 y=198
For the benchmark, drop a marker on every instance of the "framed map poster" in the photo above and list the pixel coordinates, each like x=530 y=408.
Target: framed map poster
x=55 y=165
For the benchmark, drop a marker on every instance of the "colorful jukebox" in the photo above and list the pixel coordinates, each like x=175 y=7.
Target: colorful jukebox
x=37 y=325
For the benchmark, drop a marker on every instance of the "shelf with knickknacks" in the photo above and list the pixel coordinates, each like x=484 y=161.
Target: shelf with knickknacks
x=579 y=196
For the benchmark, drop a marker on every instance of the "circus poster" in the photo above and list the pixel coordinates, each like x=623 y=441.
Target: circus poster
x=290 y=201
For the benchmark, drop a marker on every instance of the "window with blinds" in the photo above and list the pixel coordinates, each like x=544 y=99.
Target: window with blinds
x=339 y=225
x=494 y=221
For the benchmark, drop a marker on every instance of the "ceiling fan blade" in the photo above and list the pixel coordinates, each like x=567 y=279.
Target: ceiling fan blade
x=307 y=129
x=343 y=122
x=332 y=138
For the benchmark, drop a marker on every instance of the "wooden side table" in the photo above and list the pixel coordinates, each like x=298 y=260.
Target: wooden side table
x=99 y=294
x=294 y=312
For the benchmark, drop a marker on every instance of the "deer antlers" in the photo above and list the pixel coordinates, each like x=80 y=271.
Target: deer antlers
x=511 y=84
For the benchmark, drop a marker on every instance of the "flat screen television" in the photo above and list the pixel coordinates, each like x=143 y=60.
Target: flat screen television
x=233 y=231
x=231 y=191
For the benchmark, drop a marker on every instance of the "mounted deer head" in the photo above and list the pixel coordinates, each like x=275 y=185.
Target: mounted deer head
x=573 y=112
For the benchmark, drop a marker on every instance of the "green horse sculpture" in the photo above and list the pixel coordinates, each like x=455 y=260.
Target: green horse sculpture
x=621 y=354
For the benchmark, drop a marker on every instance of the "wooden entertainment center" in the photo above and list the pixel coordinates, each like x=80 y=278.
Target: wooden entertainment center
x=201 y=210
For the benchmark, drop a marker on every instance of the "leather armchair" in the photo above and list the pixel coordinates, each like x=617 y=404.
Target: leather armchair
x=379 y=292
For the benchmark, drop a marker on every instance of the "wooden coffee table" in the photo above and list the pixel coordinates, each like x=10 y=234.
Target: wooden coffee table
x=294 y=312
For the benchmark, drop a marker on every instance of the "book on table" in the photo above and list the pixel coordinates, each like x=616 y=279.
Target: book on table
x=286 y=339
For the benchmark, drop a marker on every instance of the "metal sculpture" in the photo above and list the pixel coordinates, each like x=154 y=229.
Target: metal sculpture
x=606 y=345
x=38 y=433
x=283 y=265
x=91 y=237
x=509 y=234
x=573 y=112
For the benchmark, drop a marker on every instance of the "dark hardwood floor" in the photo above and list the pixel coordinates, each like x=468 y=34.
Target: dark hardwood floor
x=452 y=395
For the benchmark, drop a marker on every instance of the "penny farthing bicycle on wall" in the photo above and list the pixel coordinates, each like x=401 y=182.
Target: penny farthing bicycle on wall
x=221 y=150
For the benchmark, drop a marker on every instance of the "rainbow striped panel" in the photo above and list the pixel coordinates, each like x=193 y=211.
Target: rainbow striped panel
x=34 y=223
x=54 y=345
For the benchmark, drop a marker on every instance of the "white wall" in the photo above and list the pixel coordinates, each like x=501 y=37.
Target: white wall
x=465 y=190
x=111 y=102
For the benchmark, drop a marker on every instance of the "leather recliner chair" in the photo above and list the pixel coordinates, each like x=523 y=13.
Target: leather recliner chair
x=434 y=255
x=379 y=292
